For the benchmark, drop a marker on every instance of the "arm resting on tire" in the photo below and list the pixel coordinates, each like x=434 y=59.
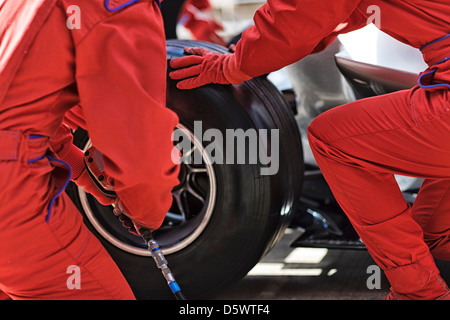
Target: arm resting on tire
x=283 y=34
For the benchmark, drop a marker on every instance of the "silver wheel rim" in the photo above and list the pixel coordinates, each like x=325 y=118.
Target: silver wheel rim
x=187 y=188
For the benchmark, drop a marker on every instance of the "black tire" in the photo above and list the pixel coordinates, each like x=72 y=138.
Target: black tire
x=250 y=211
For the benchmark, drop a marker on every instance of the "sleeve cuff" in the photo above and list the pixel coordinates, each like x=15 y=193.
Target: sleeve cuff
x=232 y=72
x=74 y=157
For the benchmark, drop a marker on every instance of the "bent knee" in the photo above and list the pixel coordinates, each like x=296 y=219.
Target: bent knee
x=315 y=131
x=320 y=133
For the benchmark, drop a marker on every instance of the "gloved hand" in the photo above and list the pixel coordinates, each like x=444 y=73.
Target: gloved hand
x=94 y=163
x=132 y=226
x=202 y=66
x=85 y=181
x=68 y=152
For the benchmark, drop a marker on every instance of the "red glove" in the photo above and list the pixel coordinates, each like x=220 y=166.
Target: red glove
x=130 y=224
x=85 y=181
x=203 y=66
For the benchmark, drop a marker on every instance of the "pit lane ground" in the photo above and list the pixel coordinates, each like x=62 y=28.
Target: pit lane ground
x=313 y=274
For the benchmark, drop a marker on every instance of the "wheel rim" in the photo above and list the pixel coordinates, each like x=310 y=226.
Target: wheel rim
x=193 y=205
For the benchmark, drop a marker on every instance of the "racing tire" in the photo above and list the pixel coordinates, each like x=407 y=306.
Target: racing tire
x=225 y=216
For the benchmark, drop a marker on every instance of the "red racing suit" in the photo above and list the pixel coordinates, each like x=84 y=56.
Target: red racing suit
x=360 y=146
x=114 y=66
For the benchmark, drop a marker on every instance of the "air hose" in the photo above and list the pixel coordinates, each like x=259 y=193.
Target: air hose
x=161 y=263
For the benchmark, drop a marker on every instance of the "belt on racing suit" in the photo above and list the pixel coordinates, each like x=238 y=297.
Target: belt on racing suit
x=20 y=147
x=437 y=55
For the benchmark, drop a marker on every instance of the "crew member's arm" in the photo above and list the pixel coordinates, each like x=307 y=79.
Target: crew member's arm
x=356 y=21
x=284 y=32
x=121 y=68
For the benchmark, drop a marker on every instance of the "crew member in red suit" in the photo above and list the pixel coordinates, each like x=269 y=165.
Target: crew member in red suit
x=360 y=146
x=114 y=66
x=197 y=17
